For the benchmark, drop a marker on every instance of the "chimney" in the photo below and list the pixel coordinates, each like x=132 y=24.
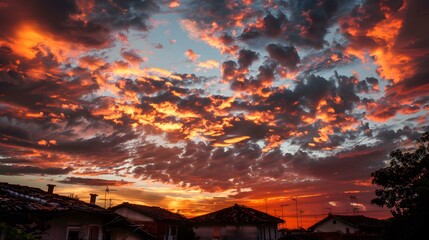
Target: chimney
x=93 y=198
x=51 y=188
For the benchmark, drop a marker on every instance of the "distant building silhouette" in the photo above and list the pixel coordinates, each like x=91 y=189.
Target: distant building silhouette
x=237 y=222
x=356 y=224
x=158 y=222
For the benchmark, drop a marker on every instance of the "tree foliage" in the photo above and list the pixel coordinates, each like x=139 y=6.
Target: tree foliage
x=405 y=181
x=405 y=190
x=14 y=233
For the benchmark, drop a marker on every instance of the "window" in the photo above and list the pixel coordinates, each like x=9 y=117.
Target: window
x=93 y=232
x=73 y=233
x=173 y=231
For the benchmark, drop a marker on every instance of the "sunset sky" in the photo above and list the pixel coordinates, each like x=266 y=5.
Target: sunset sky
x=196 y=105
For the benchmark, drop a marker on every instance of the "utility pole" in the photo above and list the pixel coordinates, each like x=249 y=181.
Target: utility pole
x=283 y=215
x=355 y=203
x=296 y=209
x=105 y=195
x=329 y=210
x=266 y=205
x=275 y=214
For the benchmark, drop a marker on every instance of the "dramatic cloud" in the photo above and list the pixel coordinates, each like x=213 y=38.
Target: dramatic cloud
x=201 y=103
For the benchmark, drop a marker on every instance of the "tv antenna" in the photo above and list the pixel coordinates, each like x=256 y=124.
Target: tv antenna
x=355 y=204
x=107 y=191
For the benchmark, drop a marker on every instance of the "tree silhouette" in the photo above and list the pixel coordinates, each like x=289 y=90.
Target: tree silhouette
x=405 y=190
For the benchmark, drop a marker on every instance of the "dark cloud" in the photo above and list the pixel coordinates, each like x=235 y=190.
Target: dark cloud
x=349 y=165
x=272 y=26
x=287 y=56
x=132 y=56
x=24 y=170
x=393 y=138
x=94 y=181
x=412 y=35
x=77 y=21
x=14 y=161
x=368 y=85
x=249 y=34
x=307 y=23
x=204 y=12
x=158 y=46
x=314 y=88
x=311 y=19
x=226 y=39
x=246 y=58
x=266 y=72
x=125 y=14
x=229 y=69
x=8 y=131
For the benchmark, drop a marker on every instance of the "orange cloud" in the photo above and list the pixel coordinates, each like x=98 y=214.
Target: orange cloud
x=29 y=40
x=209 y=64
x=231 y=141
x=191 y=55
x=174 y=4
x=208 y=35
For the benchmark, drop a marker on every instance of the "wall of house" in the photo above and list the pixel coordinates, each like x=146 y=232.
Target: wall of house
x=124 y=234
x=133 y=215
x=338 y=226
x=59 y=225
x=237 y=232
x=268 y=232
x=161 y=230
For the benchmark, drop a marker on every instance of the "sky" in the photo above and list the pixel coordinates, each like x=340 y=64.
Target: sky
x=197 y=105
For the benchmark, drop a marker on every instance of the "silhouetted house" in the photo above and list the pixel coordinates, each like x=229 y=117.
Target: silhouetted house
x=121 y=228
x=357 y=224
x=160 y=223
x=237 y=222
x=50 y=216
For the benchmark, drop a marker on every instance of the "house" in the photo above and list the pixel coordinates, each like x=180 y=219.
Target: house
x=346 y=224
x=123 y=229
x=236 y=222
x=49 y=216
x=160 y=223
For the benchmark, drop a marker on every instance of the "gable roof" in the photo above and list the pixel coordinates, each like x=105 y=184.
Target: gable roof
x=357 y=221
x=17 y=199
x=157 y=213
x=236 y=215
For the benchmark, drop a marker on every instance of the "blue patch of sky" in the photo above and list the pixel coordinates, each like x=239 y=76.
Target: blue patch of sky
x=171 y=56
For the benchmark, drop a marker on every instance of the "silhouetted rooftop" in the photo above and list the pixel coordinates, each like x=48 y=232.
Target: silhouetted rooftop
x=358 y=221
x=236 y=215
x=156 y=213
x=22 y=199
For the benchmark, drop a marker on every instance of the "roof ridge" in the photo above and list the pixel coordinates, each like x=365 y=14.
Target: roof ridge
x=236 y=214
